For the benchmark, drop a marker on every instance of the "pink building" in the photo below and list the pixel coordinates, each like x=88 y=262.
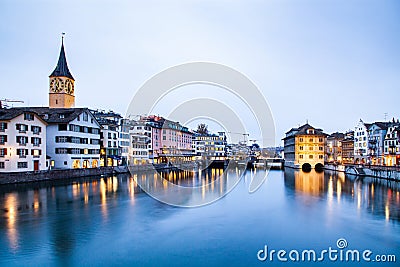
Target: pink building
x=170 y=141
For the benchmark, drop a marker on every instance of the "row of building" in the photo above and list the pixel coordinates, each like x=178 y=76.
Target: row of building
x=64 y=137
x=376 y=143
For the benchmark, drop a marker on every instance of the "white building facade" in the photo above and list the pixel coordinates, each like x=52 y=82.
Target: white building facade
x=73 y=137
x=392 y=146
x=361 y=143
x=22 y=141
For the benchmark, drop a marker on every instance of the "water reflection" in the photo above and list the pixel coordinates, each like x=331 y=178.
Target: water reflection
x=188 y=188
x=59 y=220
x=379 y=197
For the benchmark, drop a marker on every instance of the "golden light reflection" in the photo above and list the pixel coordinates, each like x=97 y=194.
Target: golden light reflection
x=330 y=189
x=103 y=197
x=387 y=211
x=310 y=183
x=11 y=205
x=36 y=201
x=85 y=187
x=339 y=190
x=131 y=186
x=115 y=184
x=372 y=191
x=75 y=190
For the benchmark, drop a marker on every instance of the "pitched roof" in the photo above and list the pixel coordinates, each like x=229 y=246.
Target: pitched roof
x=302 y=130
x=49 y=115
x=337 y=135
x=62 y=66
x=11 y=113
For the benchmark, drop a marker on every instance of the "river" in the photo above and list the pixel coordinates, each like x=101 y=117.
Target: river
x=104 y=221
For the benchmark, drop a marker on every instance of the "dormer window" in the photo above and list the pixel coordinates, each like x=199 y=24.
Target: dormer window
x=28 y=117
x=310 y=131
x=61 y=116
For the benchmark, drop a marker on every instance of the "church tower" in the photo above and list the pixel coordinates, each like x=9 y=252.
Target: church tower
x=61 y=89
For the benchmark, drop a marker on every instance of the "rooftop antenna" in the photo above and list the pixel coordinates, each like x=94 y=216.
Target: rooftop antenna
x=386 y=114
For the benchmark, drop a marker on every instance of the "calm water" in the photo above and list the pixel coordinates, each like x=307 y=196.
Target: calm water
x=110 y=221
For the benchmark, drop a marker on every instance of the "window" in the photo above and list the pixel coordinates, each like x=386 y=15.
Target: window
x=22 y=165
x=85 y=116
x=301 y=139
x=301 y=147
x=74 y=128
x=22 y=152
x=320 y=140
x=311 y=140
x=321 y=148
x=3 y=139
x=61 y=139
x=36 y=129
x=321 y=157
x=94 y=141
x=28 y=117
x=75 y=140
x=61 y=151
x=22 y=128
x=62 y=127
x=109 y=143
x=311 y=156
x=95 y=131
x=3 y=126
x=22 y=140
x=36 y=141
x=36 y=153
x=301 y=156
x=61 y=116
x=311 y=148
x=2 y=165
x=3 y=152
x=75 y=151
x=109 y=135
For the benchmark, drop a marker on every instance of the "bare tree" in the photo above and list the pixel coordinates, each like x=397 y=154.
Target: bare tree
x=202 y=128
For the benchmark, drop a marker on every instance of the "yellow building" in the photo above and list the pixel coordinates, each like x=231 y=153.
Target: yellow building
x=304 y=147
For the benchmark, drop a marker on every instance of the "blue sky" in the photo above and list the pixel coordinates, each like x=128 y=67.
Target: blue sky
x=331 y=62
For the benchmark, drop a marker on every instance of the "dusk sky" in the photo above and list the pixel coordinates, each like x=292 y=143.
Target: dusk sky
x=328 y=62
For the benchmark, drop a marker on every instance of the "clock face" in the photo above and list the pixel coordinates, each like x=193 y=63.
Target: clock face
x=69 y=87
x=56 y=85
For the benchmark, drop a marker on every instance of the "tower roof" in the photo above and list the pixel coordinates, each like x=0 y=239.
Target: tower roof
x=62 y=66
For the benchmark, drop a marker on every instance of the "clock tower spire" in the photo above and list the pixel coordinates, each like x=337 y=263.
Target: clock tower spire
x=61 y=83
